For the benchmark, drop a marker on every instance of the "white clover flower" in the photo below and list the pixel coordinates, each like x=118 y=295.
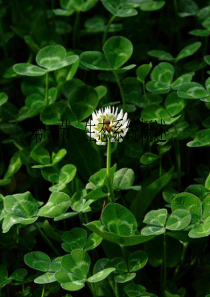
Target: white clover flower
x=107 y=124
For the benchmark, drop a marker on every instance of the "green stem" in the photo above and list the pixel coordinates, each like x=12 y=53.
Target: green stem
x=161 y=273
x=123 y=252
x=47 y=240
x=18 y=235
x=81 y=219
x=91 y=286
x=164 y=264
x=107 y=29
x=112 y=285
x=178 y=160
x=43 y=291
x=93 y=290
x=108 y=165
x=185 y=246
x=75 y=30
x=160 y=168
x=30 y=58
x=121 y=90
x=116 y=290
x=145 y=95
x=86 y=218
x=46 y=88
x=46 y=101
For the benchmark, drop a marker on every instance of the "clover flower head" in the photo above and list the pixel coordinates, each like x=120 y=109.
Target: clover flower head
x=107 y=124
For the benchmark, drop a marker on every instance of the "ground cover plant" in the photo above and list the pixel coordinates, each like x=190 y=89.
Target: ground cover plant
x=104 y=145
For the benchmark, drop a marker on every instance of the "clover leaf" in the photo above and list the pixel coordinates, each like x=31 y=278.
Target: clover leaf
x=117 y=50
x=49 y=58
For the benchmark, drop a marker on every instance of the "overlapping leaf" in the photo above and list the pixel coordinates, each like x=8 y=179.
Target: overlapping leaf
x=49 y=58
x=117 y=51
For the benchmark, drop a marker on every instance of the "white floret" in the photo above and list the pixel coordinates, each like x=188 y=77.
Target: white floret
x=114 y=128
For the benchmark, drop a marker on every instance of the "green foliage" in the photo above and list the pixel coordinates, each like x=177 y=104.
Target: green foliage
x=126 y=218
x=161 y=76
x=37 y=260
x=117 y=219
x=117 y=50
x=49 y=58
x=120 y=8
x=19 y=209
x=74 y=271
x=179 y=219
x=57 y=204
x=83 y=101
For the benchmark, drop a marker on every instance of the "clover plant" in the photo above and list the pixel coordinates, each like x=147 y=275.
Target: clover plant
x=104 y=148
